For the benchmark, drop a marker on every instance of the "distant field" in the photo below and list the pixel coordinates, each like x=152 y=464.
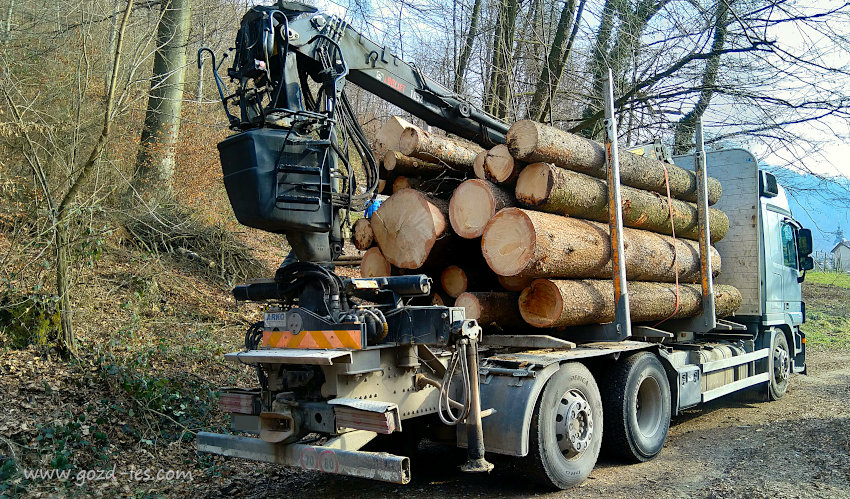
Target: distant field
x=840 y=279
x=827 y=297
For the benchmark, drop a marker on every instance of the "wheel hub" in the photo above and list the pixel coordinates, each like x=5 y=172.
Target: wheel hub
x=573 y=424
x=781 y=365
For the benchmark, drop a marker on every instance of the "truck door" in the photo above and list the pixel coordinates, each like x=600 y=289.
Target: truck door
x=789 y=272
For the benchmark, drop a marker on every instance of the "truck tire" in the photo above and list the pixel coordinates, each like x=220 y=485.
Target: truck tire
x=636 y=397
x=779 y=366
x=566 y=428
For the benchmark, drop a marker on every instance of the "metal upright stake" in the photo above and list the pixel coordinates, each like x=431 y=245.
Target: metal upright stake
x=622 y=317
x=708 y=320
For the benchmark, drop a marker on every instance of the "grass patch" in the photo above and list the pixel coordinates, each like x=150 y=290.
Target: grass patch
x=827 y=298
x=840 y=279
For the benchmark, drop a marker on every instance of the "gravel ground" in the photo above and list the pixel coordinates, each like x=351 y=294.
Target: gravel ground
x=798 y=446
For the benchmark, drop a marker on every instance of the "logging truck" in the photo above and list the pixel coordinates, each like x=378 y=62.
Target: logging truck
x=583 y=360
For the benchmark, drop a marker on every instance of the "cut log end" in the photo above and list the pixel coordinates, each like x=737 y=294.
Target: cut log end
x=408 y=143
x=361 y=235
x=389 y=161
x=522 y=139
x=471 y=207
x=406 y=227
x=534 y=185
x=374 y=264
x=540 y=304
x=471 y=304
x=499 y=165
x=508 y=242
x=454 y=281
x=478 y=165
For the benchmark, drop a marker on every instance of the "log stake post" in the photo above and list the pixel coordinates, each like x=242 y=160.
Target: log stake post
x=622 y=325
x=707 y=321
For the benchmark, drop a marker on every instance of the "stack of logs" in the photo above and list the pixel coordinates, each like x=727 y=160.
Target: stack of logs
x=525 y=241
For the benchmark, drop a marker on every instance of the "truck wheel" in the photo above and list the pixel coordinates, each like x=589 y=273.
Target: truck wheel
x=636 y=396
x=779 y=366
x=566 y=429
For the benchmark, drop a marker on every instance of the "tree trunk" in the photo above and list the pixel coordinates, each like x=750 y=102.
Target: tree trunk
x=686 y=127
x=527 y=243
x=407 y=225
x=155 y=161
x=362 y=236
x=498 y=95
x=560 y=303
x=555 y=190
x=400 y=164
x=68 y=339
x=498 y=308
x=534 y=142
x=500 y=167
x=466 y=52
x=559 y=53
x=441 y=150
x=473 y=204
x=374 y=264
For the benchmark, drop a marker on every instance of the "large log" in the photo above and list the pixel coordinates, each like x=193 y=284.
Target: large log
x=407 y=225
x=388 y=136
x=500 y=167
x=424 y=145
x=559 y=303
x=374 y=264
x=534 y=142
x=526 y=243
x=546 y=187
x=493 y=307
x=362 y=236
x=473 y=204
x=400 y=164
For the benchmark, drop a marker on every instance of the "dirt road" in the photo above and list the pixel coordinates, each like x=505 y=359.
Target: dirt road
x=796 y=447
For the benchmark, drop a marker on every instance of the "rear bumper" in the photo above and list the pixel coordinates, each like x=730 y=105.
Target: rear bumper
x=376 y=466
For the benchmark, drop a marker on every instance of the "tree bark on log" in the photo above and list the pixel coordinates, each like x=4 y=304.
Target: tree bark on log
x=500 y=167
x=407 y=225
x=388 y=136
x=546 y=187
x=374 y=264
x=493 y=307
x=362 y=236
x=559 y=303
x=525 y=243
x=441 y=150
x=400 y=164
x=473 y=204
x=534 y=142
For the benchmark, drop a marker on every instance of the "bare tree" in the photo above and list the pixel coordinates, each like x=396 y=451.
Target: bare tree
x=155 y=161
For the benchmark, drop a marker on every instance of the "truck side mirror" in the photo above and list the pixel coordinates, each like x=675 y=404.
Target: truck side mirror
x=808 y=263
x=768 y=187
x=804 y=242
